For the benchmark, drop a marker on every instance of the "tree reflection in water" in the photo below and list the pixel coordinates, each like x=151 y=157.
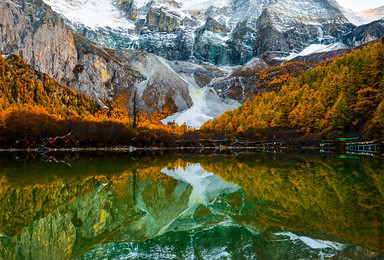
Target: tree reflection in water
x=184 y=206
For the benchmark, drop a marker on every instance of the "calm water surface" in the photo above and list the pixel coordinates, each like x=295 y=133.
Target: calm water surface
x=191 y=206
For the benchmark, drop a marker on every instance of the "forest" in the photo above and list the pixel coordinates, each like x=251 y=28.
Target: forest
x=343 y=97
x=37 y=110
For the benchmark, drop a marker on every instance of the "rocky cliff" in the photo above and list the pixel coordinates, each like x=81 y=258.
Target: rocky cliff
x=32 y=30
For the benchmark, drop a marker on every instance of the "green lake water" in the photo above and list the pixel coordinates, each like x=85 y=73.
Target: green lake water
x=191 y=206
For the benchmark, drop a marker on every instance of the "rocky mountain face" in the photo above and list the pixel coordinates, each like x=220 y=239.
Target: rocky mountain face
x=269 y=73
x=366 y=33
x=217 y=32
x=32 y=30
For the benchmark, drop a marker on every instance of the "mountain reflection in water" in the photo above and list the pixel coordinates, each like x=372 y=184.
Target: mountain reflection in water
x=253 y=206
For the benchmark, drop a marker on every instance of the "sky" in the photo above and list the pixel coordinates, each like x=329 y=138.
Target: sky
x=360 y=5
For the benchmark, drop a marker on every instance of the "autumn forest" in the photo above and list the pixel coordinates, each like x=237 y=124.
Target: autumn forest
x=342 y=97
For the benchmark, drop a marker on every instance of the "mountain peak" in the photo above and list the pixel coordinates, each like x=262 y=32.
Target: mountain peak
x=207 y=31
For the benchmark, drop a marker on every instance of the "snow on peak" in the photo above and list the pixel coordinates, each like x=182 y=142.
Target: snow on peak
x=203 y=4
x=364 y=17
x=372 y=14
x=91 y=13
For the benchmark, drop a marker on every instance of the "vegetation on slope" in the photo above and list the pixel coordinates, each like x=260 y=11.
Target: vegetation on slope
x=20 y=84
x=35 y=110
x=345 y=97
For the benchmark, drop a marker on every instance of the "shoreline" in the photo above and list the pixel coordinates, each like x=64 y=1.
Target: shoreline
x=133 y=149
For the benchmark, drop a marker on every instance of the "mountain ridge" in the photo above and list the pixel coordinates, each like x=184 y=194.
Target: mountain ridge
x=216 y=33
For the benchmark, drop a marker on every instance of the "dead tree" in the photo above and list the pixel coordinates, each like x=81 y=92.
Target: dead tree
x=135 y=109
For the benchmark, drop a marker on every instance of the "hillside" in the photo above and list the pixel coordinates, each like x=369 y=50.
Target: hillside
x=345 y=97
x=21 y=84
x=37 y=110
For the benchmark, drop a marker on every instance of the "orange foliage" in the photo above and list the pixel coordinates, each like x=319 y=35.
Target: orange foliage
x=34 y=106
x=331 y=100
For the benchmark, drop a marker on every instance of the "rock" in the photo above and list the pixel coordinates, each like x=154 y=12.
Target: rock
x=285 y=28
x=241 y=83
x=158 y=20
x=162 y=86
x=214 y=26
x=365 y=33
x=32 y=30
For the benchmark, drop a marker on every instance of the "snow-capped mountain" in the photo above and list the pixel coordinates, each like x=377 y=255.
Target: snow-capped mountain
x=190 y=36
x=217 y=32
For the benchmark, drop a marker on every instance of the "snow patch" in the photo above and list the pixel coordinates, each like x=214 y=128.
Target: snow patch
x=5 y=56
x=214 y=38
x=203 y=4
x=195 y=116
x=141 y=3
x=100 y=103
x=206 y=106
x=91 y=13
x=101 y=187
x=315 y=48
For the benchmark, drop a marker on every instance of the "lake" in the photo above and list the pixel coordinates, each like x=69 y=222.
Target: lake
x=169 y=205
